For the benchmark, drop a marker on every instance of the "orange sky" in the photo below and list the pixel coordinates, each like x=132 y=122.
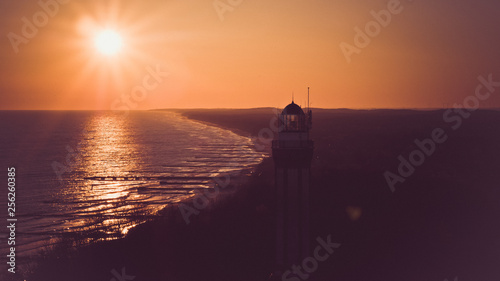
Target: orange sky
x=256 y=54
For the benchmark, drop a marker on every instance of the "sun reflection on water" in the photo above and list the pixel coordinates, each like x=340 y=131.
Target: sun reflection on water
x=107 y=148
x=143 y=144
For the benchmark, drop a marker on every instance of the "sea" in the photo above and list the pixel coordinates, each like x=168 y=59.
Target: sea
x=97 y=174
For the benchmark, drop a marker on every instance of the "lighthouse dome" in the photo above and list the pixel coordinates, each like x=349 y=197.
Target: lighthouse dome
x=292 y=109
x=293 y=119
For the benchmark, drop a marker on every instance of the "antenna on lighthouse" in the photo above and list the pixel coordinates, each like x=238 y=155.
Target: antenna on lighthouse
x=309 y=112
x=308 y=99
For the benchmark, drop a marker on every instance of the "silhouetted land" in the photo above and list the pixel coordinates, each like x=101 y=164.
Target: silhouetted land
x=441 y=222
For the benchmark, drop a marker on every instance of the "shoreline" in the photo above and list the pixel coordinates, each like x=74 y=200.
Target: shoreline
x=237 y=189
x=239 y=132
x=239 y=211
x=236 y=179
x=241 y=176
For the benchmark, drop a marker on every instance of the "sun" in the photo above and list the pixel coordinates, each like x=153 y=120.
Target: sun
x=108 y=42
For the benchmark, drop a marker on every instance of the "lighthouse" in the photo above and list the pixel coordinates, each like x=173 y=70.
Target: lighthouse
x=292 y=153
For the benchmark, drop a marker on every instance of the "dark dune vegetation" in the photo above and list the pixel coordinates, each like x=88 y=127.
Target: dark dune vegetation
x=440 y=223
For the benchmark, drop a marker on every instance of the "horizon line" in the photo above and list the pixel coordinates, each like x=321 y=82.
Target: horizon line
x=263 y=107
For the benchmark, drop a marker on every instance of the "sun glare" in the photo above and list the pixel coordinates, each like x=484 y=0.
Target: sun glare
x=108 y=42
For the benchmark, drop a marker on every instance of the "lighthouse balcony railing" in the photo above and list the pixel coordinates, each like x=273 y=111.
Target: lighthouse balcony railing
x=291 y=144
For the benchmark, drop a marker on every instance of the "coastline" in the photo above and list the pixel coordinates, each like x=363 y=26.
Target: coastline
x=234 y=225
x=232 y=199
x=237 y=131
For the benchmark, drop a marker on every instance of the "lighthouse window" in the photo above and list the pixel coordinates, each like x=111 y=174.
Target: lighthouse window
x=294 y=122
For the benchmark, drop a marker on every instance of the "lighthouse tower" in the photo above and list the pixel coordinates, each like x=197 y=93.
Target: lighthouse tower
x=292 y=154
